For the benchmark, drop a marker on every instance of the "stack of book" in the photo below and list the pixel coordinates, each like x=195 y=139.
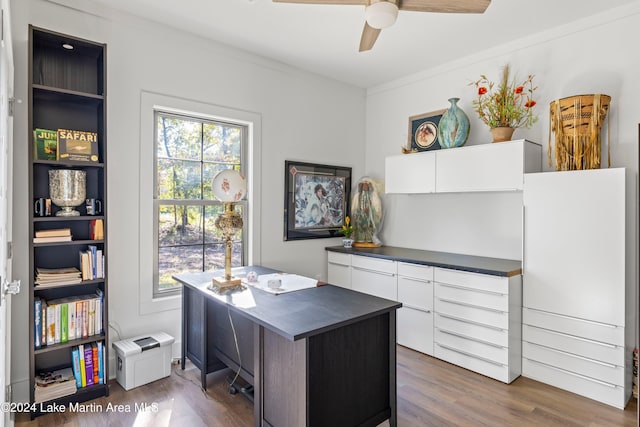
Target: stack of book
x=52 y=236
x=635 y=373
x=92 y=263
x=52 y=277
x=54 y=384
x=88 y=364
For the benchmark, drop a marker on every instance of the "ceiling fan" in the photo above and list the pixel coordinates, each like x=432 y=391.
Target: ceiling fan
x=381 y=14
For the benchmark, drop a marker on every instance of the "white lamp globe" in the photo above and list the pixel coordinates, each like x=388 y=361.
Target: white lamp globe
x=229 y=186
x=381 y=14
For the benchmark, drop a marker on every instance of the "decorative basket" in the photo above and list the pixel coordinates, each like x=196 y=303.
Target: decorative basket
x=576 y=122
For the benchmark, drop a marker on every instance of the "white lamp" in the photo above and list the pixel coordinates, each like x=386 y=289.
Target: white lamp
x=229 y=186
x=382 y=14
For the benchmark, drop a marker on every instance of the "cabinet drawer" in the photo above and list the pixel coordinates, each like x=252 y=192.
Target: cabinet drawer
x=417 y=271
x=472 y=346
x=606 y=372
x=490 y=334
x=415 y=330
x=339 y=275
x=572 y=326
x=472 y=280
x=580 y=384
x=489 y=368
x=374 y=264
x=339 y=258
x=383 y=285
x=415 y=293
x=476 y=297
x=603 y=352
x=484 y=316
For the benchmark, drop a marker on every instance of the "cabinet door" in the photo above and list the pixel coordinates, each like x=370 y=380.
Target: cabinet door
x=410 y=173
x=488 y=167
x=415 y=329
x=339 y=269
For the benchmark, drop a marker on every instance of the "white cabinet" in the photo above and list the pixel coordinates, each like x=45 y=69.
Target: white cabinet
x=374 y=276
x=415 y=318
x=409 y=174
x=477 y=322
x=578 y=294
x=339 y=269
x=486 y=167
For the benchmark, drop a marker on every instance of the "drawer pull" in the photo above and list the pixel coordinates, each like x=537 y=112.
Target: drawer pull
x=444 y=331
x=564 y=316
x=384 y=273
x=472 y=305
x=464 y=353
x=413 y=279
x=413 y=307
x=573 y=373
x=464 y=288
x=495 y=328
x=562 y=334
x=609 y=365
x=338 y=264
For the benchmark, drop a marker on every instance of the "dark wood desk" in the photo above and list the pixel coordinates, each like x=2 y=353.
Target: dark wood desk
x=324 y=356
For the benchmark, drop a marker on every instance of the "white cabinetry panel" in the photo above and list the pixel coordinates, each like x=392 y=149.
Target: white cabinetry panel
x=410 y=173
x=339 y=269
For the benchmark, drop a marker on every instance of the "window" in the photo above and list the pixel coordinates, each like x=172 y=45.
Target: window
x=190 y=151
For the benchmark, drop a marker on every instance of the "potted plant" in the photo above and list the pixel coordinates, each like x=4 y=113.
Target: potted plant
x=506 y=106
x=347 y=230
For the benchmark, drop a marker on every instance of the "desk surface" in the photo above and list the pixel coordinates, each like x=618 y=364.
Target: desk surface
x=293 y=315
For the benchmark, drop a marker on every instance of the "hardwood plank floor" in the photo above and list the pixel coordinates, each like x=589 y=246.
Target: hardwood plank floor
x=430 y=393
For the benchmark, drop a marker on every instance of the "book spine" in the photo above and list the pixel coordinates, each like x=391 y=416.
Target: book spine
x=75 y=354
x=100 y=264
x=72 y=320
x=92 y=317
x=94 y=260
x=99 y=329
x=44 y=323
x=94 y=351
x=64 y=322
x=88 y=365
x=100 y=362
x=51 y=324
x=56 y=329
x=85 y=319
x=83 y=374
x=37 y=332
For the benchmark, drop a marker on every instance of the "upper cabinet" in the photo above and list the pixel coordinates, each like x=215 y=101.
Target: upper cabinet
x=487 y=167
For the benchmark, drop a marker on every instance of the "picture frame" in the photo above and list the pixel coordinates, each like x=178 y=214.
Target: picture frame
x=316 y=200
x=423 y=131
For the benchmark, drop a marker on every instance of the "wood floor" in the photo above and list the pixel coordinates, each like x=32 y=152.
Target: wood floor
x=430 y=393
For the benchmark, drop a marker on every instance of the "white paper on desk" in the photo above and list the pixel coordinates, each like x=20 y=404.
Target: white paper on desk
x=289 y=282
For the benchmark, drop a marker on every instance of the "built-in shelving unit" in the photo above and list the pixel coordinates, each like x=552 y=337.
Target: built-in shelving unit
x=67 y=90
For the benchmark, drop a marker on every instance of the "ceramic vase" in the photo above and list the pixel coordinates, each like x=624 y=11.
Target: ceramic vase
x=502 y=134
x=347 y=242
x=453 y=129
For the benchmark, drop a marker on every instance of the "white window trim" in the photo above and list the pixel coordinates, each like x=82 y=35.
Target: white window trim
x=149 y=102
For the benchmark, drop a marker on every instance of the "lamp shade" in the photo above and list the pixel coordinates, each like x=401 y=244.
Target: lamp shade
x=381 y=14
x=229 y=186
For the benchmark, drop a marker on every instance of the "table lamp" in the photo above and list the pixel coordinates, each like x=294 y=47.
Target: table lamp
x=229 y=186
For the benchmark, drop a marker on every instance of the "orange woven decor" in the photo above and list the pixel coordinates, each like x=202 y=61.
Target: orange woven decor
x=576 y=122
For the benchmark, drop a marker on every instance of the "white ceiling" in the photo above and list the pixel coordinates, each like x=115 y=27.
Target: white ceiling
x=324 y=38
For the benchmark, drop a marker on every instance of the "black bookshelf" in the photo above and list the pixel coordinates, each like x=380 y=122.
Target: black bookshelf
x=67 y=90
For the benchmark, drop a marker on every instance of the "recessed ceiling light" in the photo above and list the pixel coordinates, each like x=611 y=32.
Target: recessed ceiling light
x=67 y=46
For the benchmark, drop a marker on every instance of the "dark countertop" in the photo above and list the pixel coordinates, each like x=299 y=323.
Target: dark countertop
x=474 y=264
x=293 y=315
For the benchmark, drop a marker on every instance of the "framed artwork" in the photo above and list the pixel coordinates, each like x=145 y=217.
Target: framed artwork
x=316 y=200
x=423 y=131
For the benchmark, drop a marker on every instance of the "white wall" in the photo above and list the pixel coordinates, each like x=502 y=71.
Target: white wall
x=304 y=117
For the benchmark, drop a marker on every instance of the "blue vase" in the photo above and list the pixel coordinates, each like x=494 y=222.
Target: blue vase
x=453 y=129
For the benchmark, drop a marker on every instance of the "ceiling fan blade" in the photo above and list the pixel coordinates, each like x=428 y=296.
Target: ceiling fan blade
x=369 y=37
x=347 y=2
x=445 y=6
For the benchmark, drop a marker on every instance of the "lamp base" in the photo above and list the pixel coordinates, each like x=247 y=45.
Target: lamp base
x=221 y=286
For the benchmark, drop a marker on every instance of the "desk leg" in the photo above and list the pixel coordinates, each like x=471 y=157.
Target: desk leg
x=185 y=310
x=203 y=344
x=258 y=356
x=393 y=383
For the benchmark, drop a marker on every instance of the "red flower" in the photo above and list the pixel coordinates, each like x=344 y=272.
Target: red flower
x=482 y=90
x=530 y=104
x=519 y=89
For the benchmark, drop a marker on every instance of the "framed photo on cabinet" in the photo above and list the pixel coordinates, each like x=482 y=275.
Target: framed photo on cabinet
x=316 y=200
x=423 y=131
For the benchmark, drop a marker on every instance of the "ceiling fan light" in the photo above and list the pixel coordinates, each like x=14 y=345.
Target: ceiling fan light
x=381 y=14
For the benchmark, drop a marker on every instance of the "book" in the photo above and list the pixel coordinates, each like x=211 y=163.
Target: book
x=88 y=364
x=55 y=232
x=64 y=322
x=94 y=353
x=83 y=372
x=100 y=362
x=100 y=264
x=52 y=239
x=93 y=252
x=37 y=322
x=51 y=324
x=96 y=229
x=75 y=356
x=45 y=144
x=77 y=145
x=56 y=330
x=72 y=319
x=91 y=326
